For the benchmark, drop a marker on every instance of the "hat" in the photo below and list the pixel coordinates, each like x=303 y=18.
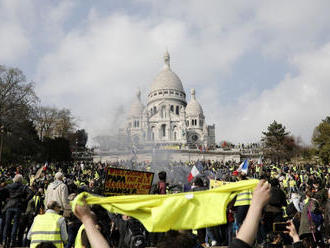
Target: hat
x=58 y=175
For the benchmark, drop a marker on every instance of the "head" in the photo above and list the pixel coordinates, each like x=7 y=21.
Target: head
x=162 y=176
x=54 y=205
x=198 y=182
x=274 y=182
x=18 y=178
x=91 y=183
x=59 y=176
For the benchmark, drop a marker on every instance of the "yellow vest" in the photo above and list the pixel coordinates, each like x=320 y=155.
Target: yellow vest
x=46 y=229
x=292 y=183
x=243 y=198
x=78 y=242
x=36 y=200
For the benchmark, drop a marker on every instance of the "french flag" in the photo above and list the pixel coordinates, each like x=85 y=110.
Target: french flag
x=244 y=166
x=193 y=173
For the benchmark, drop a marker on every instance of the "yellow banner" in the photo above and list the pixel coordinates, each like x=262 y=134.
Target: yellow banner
x=160 y=213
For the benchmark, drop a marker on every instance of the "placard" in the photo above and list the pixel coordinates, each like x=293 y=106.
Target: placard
x=127 y=182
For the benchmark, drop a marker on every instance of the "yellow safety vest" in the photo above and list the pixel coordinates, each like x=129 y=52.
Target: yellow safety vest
x=292 y=183
x=243 y=198
x=36 y=200
x=285 y=183
x=78 y=241
x=46 y=229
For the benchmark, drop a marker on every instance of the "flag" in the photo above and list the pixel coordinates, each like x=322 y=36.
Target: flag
x=244 y=166
x=193 y=173
x=160 y=213
x=259 y=163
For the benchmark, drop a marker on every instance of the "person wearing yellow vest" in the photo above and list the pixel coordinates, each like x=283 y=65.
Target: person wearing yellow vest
x=49 y=227
x=242 y=203
x=81 y=237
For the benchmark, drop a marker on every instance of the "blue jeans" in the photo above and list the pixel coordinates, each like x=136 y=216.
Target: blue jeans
x=72 y=233
x=11 y=213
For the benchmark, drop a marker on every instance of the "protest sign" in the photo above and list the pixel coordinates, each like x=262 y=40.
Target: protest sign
x=127 y=182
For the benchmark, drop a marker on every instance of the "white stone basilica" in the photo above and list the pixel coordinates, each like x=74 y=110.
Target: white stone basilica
x=168 y=119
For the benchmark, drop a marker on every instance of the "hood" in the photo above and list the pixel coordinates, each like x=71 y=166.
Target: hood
x=14 y=186
x=55 y=184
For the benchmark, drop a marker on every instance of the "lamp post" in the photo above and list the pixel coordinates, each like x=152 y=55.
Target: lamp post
x=2 y=131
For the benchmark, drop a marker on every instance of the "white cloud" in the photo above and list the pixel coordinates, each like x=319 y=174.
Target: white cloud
x=298 y=102
x=95 y=66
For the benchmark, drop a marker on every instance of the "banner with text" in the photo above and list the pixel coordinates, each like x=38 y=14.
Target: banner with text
x=127 y=182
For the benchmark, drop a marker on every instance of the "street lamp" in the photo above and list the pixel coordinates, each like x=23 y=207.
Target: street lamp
x=2 y=131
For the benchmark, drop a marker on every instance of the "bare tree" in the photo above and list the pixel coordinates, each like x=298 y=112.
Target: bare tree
x=51 y=122
x=17 y=97
x=17 y=100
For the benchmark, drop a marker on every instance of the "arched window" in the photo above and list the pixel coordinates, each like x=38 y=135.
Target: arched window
x=177 y=110
x=163 y=113
x=164 y=130
x=172 y=108
x=187 y=123
x=155 y=109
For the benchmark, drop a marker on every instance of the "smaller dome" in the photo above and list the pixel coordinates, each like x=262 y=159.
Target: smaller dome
x=193 y=108
x=137 y=107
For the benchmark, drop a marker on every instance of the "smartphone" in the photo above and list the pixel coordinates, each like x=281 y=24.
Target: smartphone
x=280 y=226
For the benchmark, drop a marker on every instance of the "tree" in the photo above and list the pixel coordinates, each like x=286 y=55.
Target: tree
x=44 y=120
x=321 y=139
x=276 y=142
x=17 y=100
x=81 y=138
x=17 y=97
x=52 y=122
x=57 y=150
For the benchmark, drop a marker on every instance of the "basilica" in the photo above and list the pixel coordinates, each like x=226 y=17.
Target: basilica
x=167 y=119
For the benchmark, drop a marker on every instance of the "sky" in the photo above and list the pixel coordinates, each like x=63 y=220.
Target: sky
x=251 y=62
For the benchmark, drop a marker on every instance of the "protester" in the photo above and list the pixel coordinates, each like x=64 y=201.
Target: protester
x=311 y=180
x=58 y=191
x=94 y=235
x=49 y=227
x=19 y=195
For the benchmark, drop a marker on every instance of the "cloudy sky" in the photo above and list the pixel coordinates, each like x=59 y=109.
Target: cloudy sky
x=251 y=62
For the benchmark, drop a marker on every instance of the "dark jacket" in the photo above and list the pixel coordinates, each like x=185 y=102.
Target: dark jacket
x=19 y=195
x=327 y=220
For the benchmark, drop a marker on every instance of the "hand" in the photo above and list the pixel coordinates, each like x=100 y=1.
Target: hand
x=292 y=231
x=261 y=194
x=83 y=212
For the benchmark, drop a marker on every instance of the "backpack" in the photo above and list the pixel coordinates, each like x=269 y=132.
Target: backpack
x=135 y=236
x=155 y=189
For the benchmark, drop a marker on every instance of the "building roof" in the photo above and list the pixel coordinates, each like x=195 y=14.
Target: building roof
x=137 y=107
x=167 y=79
x=193 y=107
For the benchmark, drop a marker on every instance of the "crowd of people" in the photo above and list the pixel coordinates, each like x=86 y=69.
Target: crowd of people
x=36 y=211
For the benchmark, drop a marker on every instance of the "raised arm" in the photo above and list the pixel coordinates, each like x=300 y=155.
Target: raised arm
x=95 y=237
x=249 y=228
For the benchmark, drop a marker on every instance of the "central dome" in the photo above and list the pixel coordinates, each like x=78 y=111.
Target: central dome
x=167 y=79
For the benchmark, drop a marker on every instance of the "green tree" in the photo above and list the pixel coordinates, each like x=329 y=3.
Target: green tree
x=321 y=139
x=276 y=141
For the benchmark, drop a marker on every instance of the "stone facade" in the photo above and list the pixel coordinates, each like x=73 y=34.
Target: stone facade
x=168 y=119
